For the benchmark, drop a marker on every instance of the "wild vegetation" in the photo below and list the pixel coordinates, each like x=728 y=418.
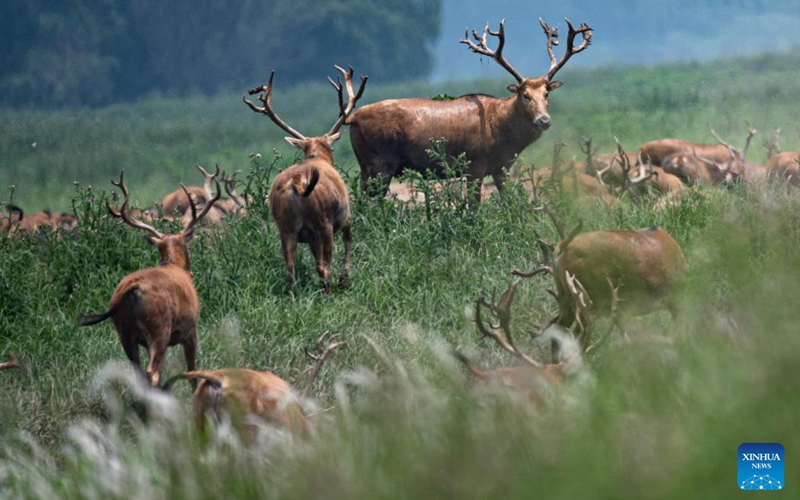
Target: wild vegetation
x=658 y=414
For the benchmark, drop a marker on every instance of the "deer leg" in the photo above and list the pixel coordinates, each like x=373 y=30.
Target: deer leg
x=347 y=236
x=499 y=180
x=158 y=359
x=323 y=253
x=190 y=353
x=131 y=348
x=289 y=245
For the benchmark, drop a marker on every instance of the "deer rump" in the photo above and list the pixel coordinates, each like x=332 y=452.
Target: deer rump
x=646 y=264
x=242 y=393
x=153 y=302
x=300 y=195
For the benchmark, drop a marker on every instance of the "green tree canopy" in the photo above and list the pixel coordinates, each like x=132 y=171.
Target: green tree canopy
x=92 y=52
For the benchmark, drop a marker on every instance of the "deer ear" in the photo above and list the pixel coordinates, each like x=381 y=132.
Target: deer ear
x=554 y=85
x=153 y=240
x=513 y=88
x=298 y=143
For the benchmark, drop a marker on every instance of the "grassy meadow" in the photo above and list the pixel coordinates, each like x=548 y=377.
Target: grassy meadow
x=658 y=414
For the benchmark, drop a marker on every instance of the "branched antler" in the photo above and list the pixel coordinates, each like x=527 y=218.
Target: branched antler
x=552 y=39
x=482 y=48
x=323 y=351
x=352 y=96
x=265 y=97
x=501 y=310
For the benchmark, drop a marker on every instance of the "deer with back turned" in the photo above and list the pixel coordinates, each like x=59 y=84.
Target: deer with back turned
x=156 y=307
x=309 y=200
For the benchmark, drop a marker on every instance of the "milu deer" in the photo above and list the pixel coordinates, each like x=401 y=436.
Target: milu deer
x=392 y=135
x=243 y=394
x=309 y=200
x=532 y=377
x=177 y=203
x=156 y=307
x=699 y=163
x=641 y=270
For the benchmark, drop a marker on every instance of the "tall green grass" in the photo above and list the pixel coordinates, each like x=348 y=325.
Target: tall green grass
x=659 y=414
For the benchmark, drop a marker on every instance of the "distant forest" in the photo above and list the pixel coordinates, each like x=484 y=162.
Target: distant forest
x=57 y=53
x=71 y=53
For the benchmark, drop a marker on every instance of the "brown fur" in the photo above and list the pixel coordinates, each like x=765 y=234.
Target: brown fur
x=695 y=169
x=306 y=213
x=646 y=265
x=11 y=363
x=30 y=223
x=785 y=166
x=392 y=135
x=664 y=182
x=243 y=393
x=531 y=380
x=309 y=200
x=156 y=307
x=177 y=202
x=658 y=150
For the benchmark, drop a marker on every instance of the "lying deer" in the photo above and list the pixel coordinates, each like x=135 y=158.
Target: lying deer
x=177 y=203
x=533 y=377
x=644 y=267
x=309 y=200
x=156 y=307
x=244 y=394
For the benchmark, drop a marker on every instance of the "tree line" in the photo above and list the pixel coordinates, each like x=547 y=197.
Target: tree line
x=93 y=52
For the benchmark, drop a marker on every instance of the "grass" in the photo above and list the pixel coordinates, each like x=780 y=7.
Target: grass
x=659 y=415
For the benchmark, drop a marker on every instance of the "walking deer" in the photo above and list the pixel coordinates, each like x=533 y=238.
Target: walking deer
x=309 y=200
x=392 y=135
x=156 y=307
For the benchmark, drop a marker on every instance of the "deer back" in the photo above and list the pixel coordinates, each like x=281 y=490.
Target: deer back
x=645 y=264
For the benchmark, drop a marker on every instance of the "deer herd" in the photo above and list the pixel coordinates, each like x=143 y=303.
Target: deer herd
x=618 y=273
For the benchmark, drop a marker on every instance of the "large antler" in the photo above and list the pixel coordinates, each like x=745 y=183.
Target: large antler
x=502 y=311
x=552 y=39
x=124 y=211
x=188 y=229
x=266 y=99
x=319 y=359
x=735 y=152
x=483 y=49
x=352 y=97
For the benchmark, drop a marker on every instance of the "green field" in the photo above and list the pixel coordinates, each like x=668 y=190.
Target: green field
x=657 y=415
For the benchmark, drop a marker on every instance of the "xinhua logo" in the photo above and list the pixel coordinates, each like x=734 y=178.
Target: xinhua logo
x=761 y=466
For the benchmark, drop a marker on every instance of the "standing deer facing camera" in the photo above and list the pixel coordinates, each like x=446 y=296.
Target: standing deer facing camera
x=156 y=307
x=391 y=135
x=309 y=200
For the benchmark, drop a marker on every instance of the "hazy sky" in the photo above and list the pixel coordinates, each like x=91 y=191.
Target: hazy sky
x=625 y=31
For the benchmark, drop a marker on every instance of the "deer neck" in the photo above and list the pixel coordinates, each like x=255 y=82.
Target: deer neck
x=175 y=254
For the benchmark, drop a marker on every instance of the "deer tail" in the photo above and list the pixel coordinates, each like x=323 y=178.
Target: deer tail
x=299 y=180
